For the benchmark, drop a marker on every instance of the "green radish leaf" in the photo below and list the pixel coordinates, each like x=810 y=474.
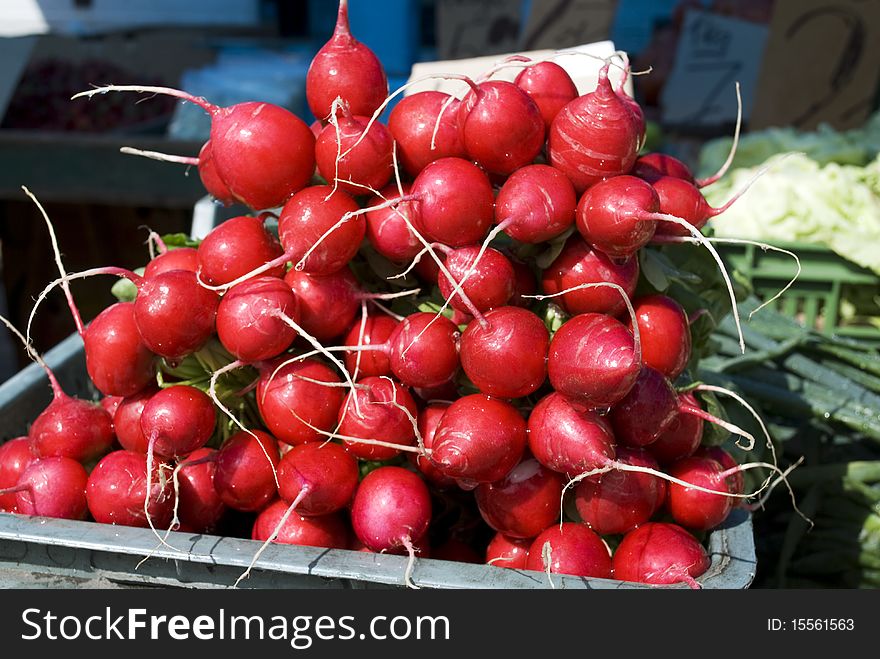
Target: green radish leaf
x=174 y=240
x=125 y=291
x=554 y=249
x=653 y=270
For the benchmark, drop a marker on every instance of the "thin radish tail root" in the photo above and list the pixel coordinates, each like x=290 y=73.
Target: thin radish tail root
x=155 y=244
x=222 y=288
x=420 y=442
x=150 y=457
x=210 y=108
x=272 y=536
x=57 y=391
x=65 y=286
x=333 y=120
x=711 y=418
x=637 y=338
x=410 y=563
x=360 y=440
x=702 y=183
x=714 y=212
x=547 y=560
x=162 y=157
x=700 y=238
x=362 y=328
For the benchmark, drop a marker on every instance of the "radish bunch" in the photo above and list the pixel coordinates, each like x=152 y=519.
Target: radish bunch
x=432 y=337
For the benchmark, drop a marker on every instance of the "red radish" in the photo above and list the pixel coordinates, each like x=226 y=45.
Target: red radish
x=665 y=334
x=127 y=420
x=424 y=350
x=479 y=440
x=570 y=548
x=52 y=487
x=245 y=475
x=512 y=553
x=345 y=68
x=319 y=229
x=579 y=264
x=317 y=478
x=253 y=319
x=353 y=153
x=263 y=153
x=293 y=399
x=594 y=137
x=682 y=437
x=646 y=411
x=428 y=420
x=387 y=227
x=683 y=199
x=618 y=501
x=328 y=531
x=567 y=437
x=549 y=86
x=735 y=480
x=111 y=404
x=179 y=258
x=697 y=509
x=660 y=553
x=486 y=279
x=455 y=202
x=175 y=315
x=200 y=507
x=369 y=330
x=235 y=247
x=391 y=509
x=655 y=165
x=593 y=359
x=117 y=491
x=501 y=126
x=420 y=139
x=178 y=420
x=510 y=335
x=535 y=204
x=614 y=216
x=380 y=410
x=117 y=360
x=328 y=303
x=15 y=456
x=523 y=503
x=210 y=178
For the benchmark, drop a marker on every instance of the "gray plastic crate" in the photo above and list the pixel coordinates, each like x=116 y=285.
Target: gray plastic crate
x=57 y=553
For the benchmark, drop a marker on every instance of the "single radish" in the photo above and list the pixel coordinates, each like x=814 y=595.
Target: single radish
x=683 y=199
x=235 y=247
x=535 y=204
x=117 y=360
x=15 y=456
x=52 y=487
x=261 y=152
x=127 y=420
x=317 y=478
x=117 y=490
x=655 y=165
x=570 y=548
x=253 y=319
x=379 y=409
x=510 y=335
x=428 y=420
x=388 y=227
x=179 y=258
x=293 y=402
x=618 y=501
x=245 y=475
x=512 y=553
x=177 y=420
x=369 y=330
x=487 y=278
x=681 y=438
x=593 y=358
x=479 y=440
x=567 y=437
x=391 y=509
x=328 y=303
x=347 y=69
x=330 y=531
x=736 y=479
x=697 y=509
x=549 y=86
x=501 y=126
x=660 y=553
x=594 y=137
x=665 y=334
x=523 y=503
x=352 y=153
x=578 y=264
x=420 y=138
x=199 y=506
x=424 y=350
x=455 y=202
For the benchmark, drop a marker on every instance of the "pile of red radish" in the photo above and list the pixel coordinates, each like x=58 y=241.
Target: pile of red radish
x=511 y=408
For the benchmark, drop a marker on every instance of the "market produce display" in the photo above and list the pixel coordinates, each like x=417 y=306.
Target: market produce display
x=457 y=335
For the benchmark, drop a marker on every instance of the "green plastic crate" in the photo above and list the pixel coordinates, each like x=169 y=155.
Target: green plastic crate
x=815 y=299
